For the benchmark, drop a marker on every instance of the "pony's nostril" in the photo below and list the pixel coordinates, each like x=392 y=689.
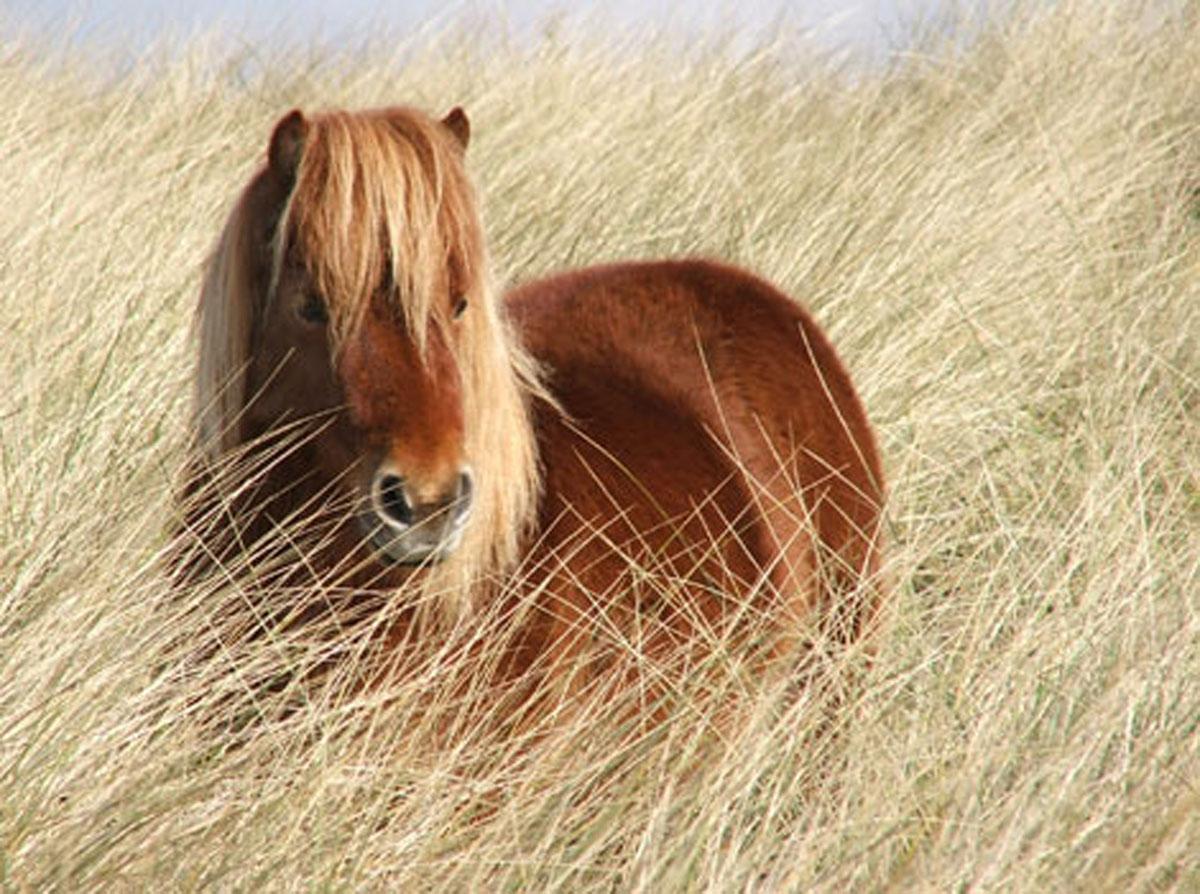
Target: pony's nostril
x=393 y=503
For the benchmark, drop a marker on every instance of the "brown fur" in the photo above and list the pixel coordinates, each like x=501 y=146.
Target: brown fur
x=691 y=463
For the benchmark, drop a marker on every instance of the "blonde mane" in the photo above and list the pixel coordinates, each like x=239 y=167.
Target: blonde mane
x=382 y=210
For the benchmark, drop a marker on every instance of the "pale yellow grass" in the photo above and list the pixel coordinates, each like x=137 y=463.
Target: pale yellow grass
x=1002 y=242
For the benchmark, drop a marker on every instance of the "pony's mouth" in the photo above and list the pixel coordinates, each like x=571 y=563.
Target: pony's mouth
x=417 y=545
x=388 y=550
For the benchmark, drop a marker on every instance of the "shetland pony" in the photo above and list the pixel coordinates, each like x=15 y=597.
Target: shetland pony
x=649 y=460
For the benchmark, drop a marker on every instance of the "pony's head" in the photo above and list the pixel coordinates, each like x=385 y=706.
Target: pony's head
x=349 y=295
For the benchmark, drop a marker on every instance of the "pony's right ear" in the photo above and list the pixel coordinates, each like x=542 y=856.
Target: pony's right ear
x=287 y=146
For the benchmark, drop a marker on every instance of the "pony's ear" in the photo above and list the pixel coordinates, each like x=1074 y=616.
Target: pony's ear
x=459 y=125
x=287 y=146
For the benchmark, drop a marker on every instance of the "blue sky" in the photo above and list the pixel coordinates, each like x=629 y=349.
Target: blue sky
x=864 y=25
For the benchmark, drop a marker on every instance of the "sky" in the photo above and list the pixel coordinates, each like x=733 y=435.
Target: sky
x=863 y=26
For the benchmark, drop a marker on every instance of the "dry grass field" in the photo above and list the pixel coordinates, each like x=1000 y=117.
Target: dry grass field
x=1003 y=239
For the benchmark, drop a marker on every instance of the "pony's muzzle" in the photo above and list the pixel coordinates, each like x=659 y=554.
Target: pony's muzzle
x=409 y=527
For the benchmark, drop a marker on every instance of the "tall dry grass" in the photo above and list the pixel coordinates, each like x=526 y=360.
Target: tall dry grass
x=1001 y=239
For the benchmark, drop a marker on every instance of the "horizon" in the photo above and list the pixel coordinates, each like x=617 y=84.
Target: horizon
x=863 y=30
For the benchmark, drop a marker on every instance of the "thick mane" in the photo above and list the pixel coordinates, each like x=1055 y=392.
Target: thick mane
x=381 y=212
x=223 y=319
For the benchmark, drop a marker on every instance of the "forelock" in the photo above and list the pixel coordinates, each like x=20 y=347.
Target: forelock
x=381 y=213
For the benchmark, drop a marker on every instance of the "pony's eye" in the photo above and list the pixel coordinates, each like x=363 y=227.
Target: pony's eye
x=460 y=305
x=312 y=309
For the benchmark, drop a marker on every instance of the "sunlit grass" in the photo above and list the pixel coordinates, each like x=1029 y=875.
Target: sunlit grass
x=1000 y=240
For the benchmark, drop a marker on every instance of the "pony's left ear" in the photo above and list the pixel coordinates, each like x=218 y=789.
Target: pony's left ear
x=287 y=146
x=459 y=125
